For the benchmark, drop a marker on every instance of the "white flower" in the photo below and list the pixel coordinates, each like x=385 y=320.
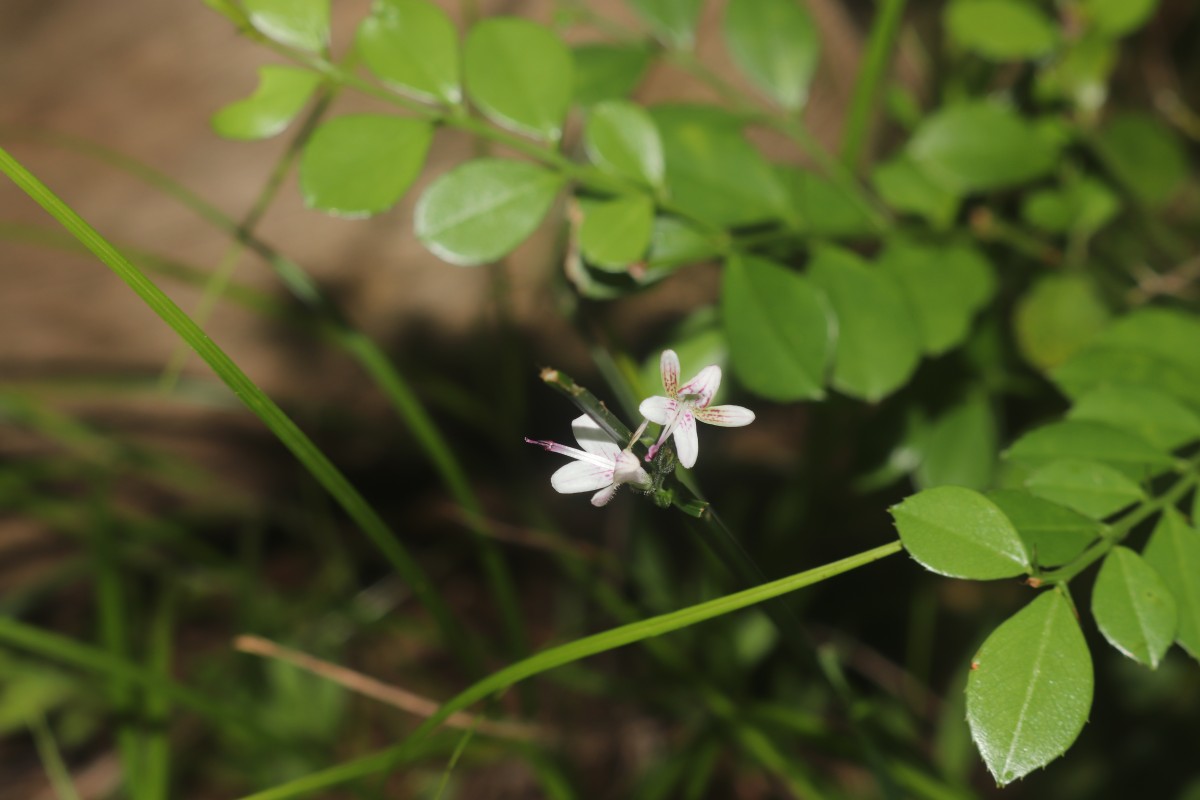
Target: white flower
x=683 y=405
x=601 y=464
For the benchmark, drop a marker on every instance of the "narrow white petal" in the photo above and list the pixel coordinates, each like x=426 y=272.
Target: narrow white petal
x=687 y=446
x=657 y=409
x=725 y=416
x=592 y=438
x=581 y=476
x=562 y=449
x=628 y=470
x=702 y=387
x=602 y=497
x=669 y=366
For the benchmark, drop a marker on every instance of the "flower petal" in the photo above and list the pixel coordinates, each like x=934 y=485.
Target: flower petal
x=687 y=445
x=581 y=476
x=593 y=439
x=562 y=449
x=669 y=366
x=725 y=416
x=628 y=470
x=602 y=497
x=657 y=409
x=702 y=387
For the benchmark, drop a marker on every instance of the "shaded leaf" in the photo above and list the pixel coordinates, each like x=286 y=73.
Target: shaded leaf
x=608 y=71
x=1174 y=552
x=299 y=23
x=520 y=75
x=980 y=146
x=620 y=137
x=822 y=208
x=778 y=328
x=412 y=46
x=1002 y=30
x=1145 y=155
x=1085 y=205
x=907 y=188
x=1153 y=415
x=1090 y=441
x=1030 y=689
x=1052 y=533
x=1091 y=488
x=616 y=233
x=481 y=210
x=361 y=164
x=282 y=93
x=775 y=43
x=674 y=21
x=1117 y=17
x=1098 y=366
x=959 y=446
x=674 y=242
x=1057 y=317
x=877 y=342
x=1133 y=607
x=958 y=532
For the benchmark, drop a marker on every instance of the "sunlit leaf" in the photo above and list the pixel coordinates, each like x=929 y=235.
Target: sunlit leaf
x=1099 y=366
x=1083 y=206
x=281 y=94
x=1091 y=488
x=1030 y=688
x=413 y=46
x=520 y=75
x=1174 y=552
x=674 y=21
x=1117 y=17
x=616 y=233
x=1052 y=533
x=481 y=210
x=1090 y=441
x=620 y=137
x=907 y=188
x=1134 y=608
x=778 y=327
x=361 y=164
x=1153 y=415
x=299 y=23
x=1002 y=30
x=877 y=340
x=775 y=43
x=958 y=532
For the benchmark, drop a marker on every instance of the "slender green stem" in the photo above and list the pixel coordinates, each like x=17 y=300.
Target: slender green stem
x=354 y=504
x=875 y=63
x=52 y=760
x=156 y=756
x=569 y=653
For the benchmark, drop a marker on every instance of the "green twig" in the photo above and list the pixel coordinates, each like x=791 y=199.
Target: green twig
x=880 y=44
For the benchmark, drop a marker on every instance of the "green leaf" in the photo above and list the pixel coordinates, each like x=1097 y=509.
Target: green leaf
x=481 y=210
x=946 y=284
x=1117 y=17
x=361 y=164
x=778 y=327
x=1030 y=688
x=281 y=94
x=959 y=533
x=822 y=208
x=713 y=173
x=907 y=188
x=608 y=71
x=615 y=233
x=674 y=21
x=980 y=146
x=1090 y=441
x=298 y=23
x=1134 y=608
x=1098 y=366
x=412 y=45
x=620 y=138
x=1057 y=317
x=1167 y=333
x=1083 y=206
x=1145 y=155
x=1053 y=534
x=877 y=341
x=520 y=75
x=1001 y=30
x=1174 y=551
x=1153 y=415
x=775 y=43
x=1091 y=488
x=959 y=446
x=675 y=242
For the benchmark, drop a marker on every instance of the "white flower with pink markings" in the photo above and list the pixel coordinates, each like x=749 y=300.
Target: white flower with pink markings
x=601 y=464
x=683 y=405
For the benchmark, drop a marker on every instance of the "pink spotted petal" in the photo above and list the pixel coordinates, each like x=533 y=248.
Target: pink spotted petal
x=593 y=439
x=657 y=409
x=687 y=445
x=702 y=387
x=581 y=476
x=602 y=497
x=725 y=416
x=669 y=366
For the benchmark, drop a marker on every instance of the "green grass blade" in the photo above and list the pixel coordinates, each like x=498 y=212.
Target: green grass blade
x=52 y=760
x=566 y=654
x=156 y=755
x=353 y=503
